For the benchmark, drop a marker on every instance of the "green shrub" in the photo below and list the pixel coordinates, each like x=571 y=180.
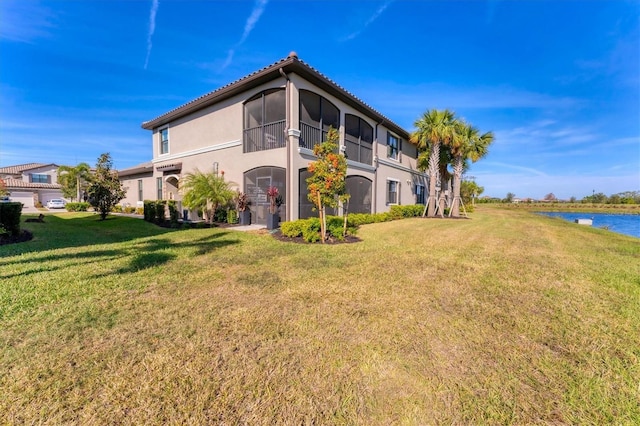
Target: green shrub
x=116 y=209
x=174 y=215
x=311 y=230
x=401 y=212
x=77 y=207
x=139 y=210
x=232 y=216
x=220 y=215
x=160 y=211
x=10 y=217
x=149 y=210
x=292 y=229
x=129 y=209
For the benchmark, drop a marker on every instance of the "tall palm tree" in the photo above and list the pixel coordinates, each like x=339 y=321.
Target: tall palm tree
x=467 y=144
x=205 y=191
x=433 y=129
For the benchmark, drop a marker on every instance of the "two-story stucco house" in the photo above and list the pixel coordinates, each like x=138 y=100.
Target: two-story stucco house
x=260 y=132
x=32 y=183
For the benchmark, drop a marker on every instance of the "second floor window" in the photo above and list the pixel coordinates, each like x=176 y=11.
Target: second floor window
x=358 y=139
x=264 y=121
x=164 y=141
x=317 y=115
x=40 y=178
x=393 y=146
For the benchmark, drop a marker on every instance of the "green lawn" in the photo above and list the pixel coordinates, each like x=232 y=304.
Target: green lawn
x=506 y=318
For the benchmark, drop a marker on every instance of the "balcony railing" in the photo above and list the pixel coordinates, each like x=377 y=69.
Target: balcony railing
x=268 y=136
x=310 y=136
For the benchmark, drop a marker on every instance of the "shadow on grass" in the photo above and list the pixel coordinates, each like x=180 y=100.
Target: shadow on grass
x=154 y=253
x=61 y=233
x=64 y=230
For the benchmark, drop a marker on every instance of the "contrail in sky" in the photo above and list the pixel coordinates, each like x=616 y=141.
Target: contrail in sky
x=253 y=19
x=369 y=22
x=152 y=28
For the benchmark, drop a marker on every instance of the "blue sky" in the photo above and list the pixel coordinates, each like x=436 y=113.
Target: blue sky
x=558 y=82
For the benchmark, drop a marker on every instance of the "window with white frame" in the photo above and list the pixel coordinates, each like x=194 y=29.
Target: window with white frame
x=140 y=196
x=420 y=191
x=393 y=146
x=164 y=141
x=159 y=185
x=40 y=178
x=393 y=192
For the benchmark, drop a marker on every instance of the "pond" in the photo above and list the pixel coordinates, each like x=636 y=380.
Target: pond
x=627 y=224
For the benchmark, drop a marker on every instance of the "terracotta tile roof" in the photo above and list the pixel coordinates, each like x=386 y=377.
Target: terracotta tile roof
x=16 y=170
x=137 y=169
x=268 y=73
x=19 y=184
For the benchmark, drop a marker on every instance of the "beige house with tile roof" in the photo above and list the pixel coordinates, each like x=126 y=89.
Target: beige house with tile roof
x=32 y=183
x=260 y=131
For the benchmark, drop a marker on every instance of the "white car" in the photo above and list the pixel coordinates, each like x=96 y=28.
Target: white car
x=56 y=203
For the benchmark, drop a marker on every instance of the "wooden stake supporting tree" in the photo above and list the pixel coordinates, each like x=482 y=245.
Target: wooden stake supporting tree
x=327 y=183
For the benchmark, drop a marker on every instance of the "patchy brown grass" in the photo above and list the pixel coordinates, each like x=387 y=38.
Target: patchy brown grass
x=507 y=318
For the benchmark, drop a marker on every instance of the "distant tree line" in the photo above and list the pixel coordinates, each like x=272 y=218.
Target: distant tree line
x=627 y=197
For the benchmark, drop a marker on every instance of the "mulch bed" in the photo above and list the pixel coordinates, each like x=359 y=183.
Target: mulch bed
x=20 y=238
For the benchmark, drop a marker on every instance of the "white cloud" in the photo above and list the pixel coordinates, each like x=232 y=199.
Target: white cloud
x=25 y=21
x=152 y=29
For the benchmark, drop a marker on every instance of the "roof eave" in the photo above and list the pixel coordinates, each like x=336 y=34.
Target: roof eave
x=269 y=73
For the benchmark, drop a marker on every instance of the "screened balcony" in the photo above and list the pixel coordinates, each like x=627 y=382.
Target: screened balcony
x=268 y=136
x=317 y=116
x=264 y=121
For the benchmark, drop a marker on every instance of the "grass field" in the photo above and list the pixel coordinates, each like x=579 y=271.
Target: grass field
x=506 y=318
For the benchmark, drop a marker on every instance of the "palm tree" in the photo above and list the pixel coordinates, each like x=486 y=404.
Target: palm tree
x=206 y=192
x=467 y=144
x=433 y=129
x=71 y=178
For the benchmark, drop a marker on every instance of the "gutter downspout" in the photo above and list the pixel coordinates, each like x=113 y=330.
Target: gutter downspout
x=375 y=173
x=288 y=144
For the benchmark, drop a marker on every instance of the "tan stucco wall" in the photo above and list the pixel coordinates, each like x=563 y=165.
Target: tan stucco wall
x=215 y=134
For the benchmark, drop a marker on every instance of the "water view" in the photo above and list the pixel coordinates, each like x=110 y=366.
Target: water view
x=628 y=224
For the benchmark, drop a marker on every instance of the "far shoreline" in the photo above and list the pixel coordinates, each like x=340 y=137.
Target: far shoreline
x=633 y=209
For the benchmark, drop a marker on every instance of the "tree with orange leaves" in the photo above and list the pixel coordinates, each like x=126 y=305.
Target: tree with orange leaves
x=327 y=183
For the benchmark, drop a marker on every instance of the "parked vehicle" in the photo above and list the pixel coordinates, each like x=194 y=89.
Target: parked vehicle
x=5 y=199
x=56 y=203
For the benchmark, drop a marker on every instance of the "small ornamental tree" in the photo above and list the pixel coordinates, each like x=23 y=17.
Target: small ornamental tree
x=327 y=183
x=105 y=190
x=206 y=192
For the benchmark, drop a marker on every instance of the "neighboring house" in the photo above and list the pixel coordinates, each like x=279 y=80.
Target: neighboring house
x=32 y=183
x=259 y=131
x=138 y=183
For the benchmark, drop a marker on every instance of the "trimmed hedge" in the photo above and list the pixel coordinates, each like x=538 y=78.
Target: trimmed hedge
x=309 y=229
x=155 y=211
x=10 y=218
x=77 y=207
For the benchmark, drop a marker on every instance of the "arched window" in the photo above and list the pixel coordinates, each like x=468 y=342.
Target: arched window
x=264 y=121
x=358 y=139
x=256 y=184
x=317 y=115
x=305 y=207
x=360 y=190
